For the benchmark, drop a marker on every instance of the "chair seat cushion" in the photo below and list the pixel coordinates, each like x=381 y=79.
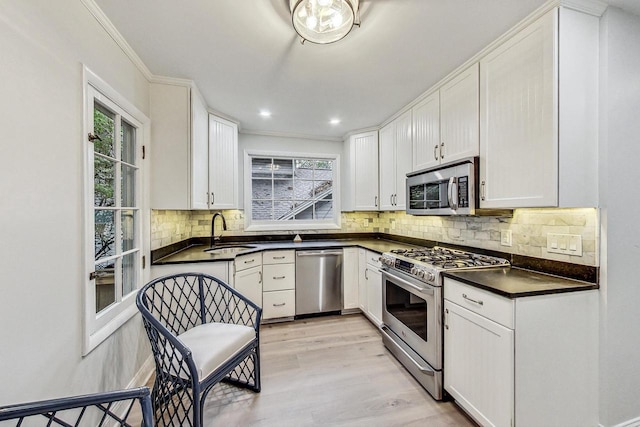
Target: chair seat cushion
x=212 y=344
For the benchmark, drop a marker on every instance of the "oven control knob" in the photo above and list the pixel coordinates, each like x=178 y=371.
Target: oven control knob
x=420 y=274
x=430 y=276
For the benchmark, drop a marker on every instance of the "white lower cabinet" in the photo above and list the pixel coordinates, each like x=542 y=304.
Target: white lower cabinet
x=248 y=276
x=479 y=356
x=370 y=285
x=279 y=295
x=218 y=269
x=529 y=361
x=350 y=281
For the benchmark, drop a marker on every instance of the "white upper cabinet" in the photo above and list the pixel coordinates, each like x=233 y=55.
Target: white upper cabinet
x=426 y=132
x=395 y=162
x=460 y=116
x=361 y=172
x=194 y=156
x=199 y=149
x=446 y=123
x=538 y=140
x=223 y=163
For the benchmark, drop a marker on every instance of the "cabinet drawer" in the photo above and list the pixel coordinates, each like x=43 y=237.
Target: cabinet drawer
x=278 y=304
x=484 y=303
x=373 y=259
x=279 y=277
x=243 y=262
x=278 y=257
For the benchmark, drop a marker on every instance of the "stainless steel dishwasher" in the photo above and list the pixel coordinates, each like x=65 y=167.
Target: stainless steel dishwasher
x=318 y=281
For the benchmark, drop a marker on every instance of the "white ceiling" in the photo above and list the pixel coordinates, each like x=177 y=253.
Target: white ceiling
x=244 y=55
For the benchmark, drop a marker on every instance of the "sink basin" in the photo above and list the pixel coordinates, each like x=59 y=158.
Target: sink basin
x=227 y=249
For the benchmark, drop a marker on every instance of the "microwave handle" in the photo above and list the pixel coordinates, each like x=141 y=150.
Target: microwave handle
x=452 y=181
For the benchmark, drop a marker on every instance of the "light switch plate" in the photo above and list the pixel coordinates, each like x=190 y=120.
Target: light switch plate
x=568 y=244
x=505 y=238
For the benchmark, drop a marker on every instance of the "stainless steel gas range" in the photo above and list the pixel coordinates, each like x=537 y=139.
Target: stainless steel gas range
x=412 y=306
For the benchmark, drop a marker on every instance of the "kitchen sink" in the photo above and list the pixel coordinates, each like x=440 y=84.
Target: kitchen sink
x=227 y=249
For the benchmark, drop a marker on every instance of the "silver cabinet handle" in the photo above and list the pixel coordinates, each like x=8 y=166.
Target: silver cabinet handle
x=213 y=198
x=278 y=277
x=435 y=151
x=249 y=261
x=375 y=202
x=366 y=276
x=442 y=150
x=260 y=272
x=479 y=302
x=446 y=312
x=482 y=190
x=280 y=305
x=278 y=257
x=391 y=199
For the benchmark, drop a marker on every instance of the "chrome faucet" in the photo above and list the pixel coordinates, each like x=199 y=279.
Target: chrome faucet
x=213 y=221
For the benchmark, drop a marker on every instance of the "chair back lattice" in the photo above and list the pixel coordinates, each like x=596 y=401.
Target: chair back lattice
x=170 y=306
x=117 y=408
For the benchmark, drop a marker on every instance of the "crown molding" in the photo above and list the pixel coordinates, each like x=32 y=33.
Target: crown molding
x=291 y=135
x=113 y=32
x=591 y=7
x=358 y=131
x=173 y=81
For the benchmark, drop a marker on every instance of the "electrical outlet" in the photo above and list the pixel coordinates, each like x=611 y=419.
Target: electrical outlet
x=568 y=244
x=505 y=238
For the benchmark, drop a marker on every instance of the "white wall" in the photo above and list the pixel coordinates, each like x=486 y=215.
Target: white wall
x=287 y=145
x=620 y=235
x=43 y=44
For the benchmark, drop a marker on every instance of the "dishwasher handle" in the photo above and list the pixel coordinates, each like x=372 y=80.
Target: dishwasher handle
x=318 y=253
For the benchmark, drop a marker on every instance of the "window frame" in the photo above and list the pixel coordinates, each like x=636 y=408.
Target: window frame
x=290 y=225
x=99 y=326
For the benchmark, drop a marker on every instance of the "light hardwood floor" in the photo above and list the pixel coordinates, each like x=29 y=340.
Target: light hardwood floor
x=329 y=371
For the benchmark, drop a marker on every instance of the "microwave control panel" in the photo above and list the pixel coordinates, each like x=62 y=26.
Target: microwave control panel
x=463 y=192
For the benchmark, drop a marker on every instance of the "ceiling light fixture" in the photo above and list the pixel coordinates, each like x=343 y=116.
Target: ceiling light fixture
x=324 y=21
x=334 y=121
x=265 y=113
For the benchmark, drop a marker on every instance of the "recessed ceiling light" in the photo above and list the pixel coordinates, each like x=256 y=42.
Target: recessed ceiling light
x=265 y=113
x=334 y=121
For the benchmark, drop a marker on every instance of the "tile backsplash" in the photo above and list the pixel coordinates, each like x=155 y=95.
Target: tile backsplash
x=529 y=229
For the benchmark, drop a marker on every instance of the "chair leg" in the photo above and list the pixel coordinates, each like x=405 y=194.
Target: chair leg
x=256 y=369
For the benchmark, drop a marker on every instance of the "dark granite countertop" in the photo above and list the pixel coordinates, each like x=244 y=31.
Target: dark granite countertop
x=195 y=253
x=517 y=282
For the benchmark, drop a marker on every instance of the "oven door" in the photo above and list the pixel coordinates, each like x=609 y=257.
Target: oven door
x=413 y=311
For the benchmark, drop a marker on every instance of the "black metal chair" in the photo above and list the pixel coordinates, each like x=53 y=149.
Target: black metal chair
x=202 y=332
x=115 y=408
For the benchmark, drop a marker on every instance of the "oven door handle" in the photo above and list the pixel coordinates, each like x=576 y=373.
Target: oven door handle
x=427 y=291
x=422 y=368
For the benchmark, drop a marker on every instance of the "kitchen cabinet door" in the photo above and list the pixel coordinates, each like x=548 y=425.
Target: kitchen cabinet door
x=426 y=132
x=479 y=363
x=363 y=171
x=362 y=280
x=374 y=295
x=249 y=283
x=460 y=116
x=403 y=159
x=519 y=119
x=350 y=278
x=223 y=163
x=387 y=166
x=199 y=152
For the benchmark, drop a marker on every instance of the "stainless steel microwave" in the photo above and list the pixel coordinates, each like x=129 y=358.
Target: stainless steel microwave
x=444 y=190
